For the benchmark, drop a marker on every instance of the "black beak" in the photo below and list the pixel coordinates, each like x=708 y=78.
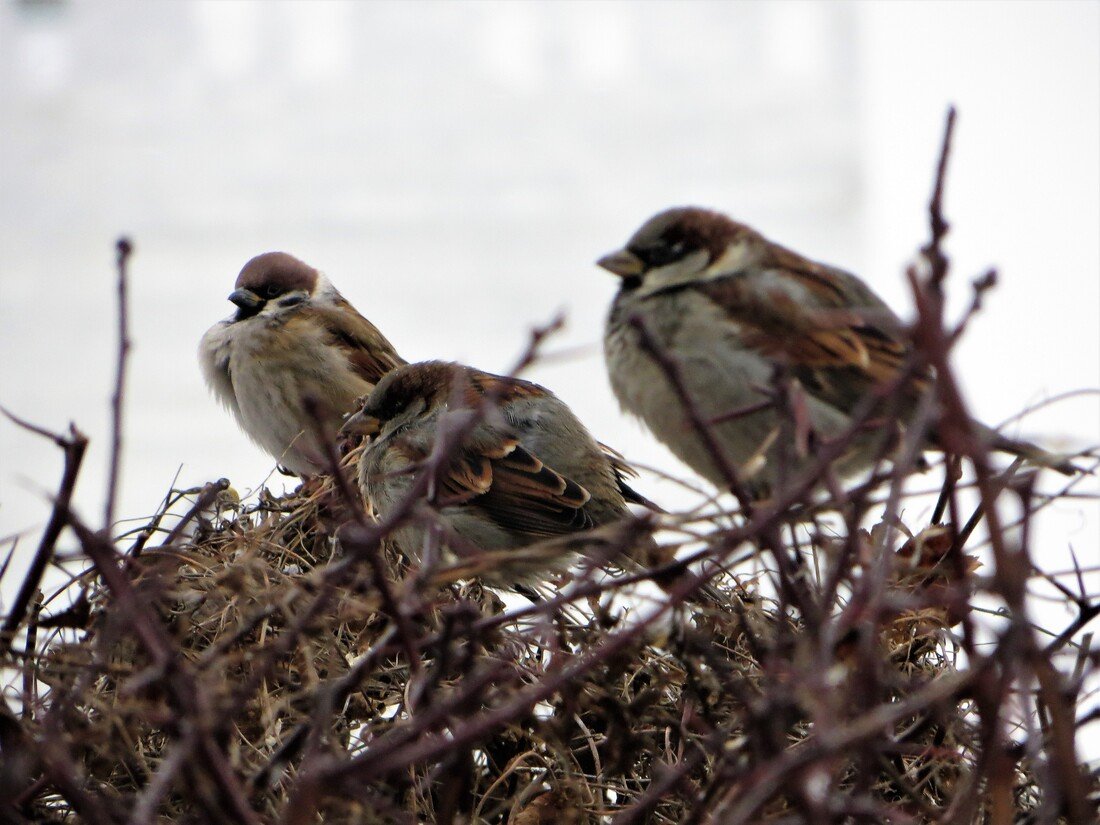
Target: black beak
x=361 y=424
x=248 y=302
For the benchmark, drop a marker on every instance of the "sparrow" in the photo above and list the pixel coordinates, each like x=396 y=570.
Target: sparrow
x=730 y=310
x=524 y=471
x=293 y=344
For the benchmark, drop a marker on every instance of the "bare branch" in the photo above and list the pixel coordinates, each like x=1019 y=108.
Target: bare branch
x=124 y=248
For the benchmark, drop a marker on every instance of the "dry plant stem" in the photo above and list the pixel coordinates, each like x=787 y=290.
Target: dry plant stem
x=145 y=806
x=951 y=474
x=424 y=748
x=207 y=495
x=64 y=774
x=1001 y=483
x=766 y=780
x=590 y=588
x=875 y=584
x=384 y=756
x=330 y=698
x=915 y=438
x=30 y=693
x=1086 y=613
x=124 y=248
x=384 y=759
x=936 y=221
x=957 y=438
x=1012 y=567
x=421 y=747
x=334 y=575
x=184 y=689
x=150 y=529
x=768 y=517
x=73 y=445
x=662 y=784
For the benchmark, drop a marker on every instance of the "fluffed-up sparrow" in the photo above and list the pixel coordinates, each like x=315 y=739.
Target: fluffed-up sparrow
x=727 y=308
x=293 y=343
x=522 y=469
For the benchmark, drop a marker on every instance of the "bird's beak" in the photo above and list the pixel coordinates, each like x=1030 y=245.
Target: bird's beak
x=361 y=424
x=623 y=263
x=246 y=299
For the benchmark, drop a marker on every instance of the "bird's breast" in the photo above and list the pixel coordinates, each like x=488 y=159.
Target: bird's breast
x=702 y=346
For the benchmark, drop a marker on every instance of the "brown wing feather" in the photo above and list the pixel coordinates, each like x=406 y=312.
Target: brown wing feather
x=502 y=388
x=839 y=340
x=529 y=497
x=367 y=349
x=512 y=487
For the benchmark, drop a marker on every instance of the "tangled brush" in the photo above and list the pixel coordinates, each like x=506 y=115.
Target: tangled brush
x=283 y=659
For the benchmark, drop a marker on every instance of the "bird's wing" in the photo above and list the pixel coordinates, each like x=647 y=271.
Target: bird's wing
x=513 y=393
x=367 y=349
x=834 y=334
x=492 y=472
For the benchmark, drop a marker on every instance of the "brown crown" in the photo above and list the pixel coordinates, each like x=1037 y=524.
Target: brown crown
x=277 y=269
x=693 y=227
x=434 y=380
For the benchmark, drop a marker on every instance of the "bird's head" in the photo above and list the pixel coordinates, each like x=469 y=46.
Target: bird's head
x=682 y=246
x=402 y=396
x=274 y=282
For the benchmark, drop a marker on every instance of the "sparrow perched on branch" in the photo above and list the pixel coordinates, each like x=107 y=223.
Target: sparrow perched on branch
x=510 y=464
x=708 y=314
x=293 y=359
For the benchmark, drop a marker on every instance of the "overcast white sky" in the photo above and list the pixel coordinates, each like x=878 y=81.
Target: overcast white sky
x=457 y=168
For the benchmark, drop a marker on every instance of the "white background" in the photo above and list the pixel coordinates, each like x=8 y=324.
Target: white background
x=457 y=168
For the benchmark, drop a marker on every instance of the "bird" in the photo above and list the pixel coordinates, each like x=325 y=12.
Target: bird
x=714 y=306
x=293 y=359
x=522 y=472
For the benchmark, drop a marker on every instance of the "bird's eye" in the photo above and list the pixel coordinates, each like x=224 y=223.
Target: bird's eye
x=270 y=291
x=662 y=254
x=389 y=408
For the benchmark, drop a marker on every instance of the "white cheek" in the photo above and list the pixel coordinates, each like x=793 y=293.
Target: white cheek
x=735 y=258
x=675 y=274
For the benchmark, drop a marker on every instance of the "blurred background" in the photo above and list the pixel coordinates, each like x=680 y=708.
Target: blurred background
x=456 y=168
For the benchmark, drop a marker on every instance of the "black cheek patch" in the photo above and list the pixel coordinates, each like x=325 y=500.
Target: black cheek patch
x=246 y=312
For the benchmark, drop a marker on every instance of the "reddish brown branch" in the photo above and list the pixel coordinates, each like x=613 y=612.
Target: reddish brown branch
x=959 y=436
x=73 y=445
x=124 y=249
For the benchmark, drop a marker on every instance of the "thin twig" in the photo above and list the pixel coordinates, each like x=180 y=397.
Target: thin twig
x=124 y=249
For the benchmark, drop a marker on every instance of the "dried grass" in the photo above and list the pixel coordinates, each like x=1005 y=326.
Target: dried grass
x=720 y=686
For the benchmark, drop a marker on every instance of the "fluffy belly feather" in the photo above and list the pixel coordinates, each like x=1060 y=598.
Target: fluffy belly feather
x=719 y=374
